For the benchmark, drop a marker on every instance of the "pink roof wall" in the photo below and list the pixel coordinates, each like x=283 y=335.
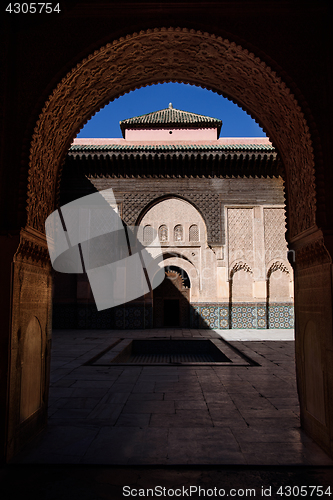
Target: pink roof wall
x=176 y=134
x=171 y=140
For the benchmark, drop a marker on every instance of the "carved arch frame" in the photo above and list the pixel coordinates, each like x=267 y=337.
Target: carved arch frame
x=189 y=268
x=156 y=200
x=172 y=54
x=279 y=264
x=239 y=265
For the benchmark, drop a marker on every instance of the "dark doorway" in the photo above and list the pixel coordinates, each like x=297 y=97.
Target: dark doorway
x=171 y=312
x=171 y=300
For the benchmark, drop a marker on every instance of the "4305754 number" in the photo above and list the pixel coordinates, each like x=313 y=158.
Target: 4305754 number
x=33 y=8
x=303 y=491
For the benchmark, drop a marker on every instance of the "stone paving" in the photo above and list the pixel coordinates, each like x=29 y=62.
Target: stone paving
x=133 y=415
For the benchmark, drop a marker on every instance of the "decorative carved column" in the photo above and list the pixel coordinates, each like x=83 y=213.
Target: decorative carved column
x=30 y=340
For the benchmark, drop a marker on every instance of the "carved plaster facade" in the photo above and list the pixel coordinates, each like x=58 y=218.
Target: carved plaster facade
x=226 y=233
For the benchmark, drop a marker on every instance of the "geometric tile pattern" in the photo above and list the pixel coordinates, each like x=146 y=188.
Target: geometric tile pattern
x=86 y=316
x=204 y=316
x=281 y=316
x=242 y=315
x=140 y=316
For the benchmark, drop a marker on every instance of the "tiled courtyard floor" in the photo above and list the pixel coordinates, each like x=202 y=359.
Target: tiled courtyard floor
x=109 y=414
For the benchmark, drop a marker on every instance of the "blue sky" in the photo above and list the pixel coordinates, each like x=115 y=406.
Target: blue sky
x=236 y=122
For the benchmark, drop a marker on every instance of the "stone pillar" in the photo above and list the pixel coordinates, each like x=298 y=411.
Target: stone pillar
x=29 y=340
x=222 y=283
x=313 y=335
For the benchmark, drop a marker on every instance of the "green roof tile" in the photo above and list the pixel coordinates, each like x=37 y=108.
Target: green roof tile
x=165 y=148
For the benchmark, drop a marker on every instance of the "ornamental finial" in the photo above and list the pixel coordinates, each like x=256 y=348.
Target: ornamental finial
x=170 y=105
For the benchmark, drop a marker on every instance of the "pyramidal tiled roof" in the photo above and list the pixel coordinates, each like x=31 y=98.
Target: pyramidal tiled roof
x=171 y=117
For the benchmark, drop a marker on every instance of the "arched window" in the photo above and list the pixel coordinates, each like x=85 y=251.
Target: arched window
x=178 y=233
x=163 y=233
x=148 y=235
x=194 y=233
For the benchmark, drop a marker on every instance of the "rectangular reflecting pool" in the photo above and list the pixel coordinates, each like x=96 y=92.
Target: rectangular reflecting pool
x=171 y=352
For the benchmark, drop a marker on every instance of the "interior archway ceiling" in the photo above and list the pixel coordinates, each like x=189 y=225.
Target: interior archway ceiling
x=181 y=55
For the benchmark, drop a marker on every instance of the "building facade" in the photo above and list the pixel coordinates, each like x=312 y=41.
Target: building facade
x=222 y=231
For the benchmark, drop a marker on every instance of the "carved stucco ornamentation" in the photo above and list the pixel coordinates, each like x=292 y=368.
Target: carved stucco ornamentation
x=313 y=254
x=134 y=204
x=275 y=228
x=208 y=205
x=240 y=266
x=172 y=54
x=176 y=278
x=33 y=248
x=240 y=234
x=277 y=266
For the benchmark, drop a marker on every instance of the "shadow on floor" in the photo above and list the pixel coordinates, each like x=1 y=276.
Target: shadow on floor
x=109 y=414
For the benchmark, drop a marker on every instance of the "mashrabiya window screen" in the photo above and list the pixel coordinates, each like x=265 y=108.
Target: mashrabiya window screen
x=194 y=233
x=148 y=234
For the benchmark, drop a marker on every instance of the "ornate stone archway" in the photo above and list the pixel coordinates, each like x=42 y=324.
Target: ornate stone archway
x=172 y=55
x=200 y=59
